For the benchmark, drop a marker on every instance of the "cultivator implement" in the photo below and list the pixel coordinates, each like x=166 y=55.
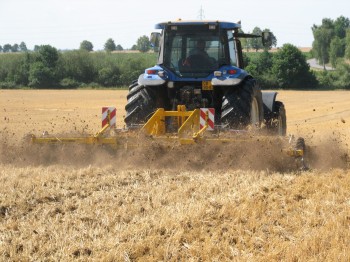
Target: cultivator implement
x=178 y=127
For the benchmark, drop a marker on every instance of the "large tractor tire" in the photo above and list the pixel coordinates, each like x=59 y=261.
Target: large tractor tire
x=133 y=84
x=140 y=106
x=242 y=106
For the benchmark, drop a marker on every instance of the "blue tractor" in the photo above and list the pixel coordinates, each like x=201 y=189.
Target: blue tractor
x=200 y=65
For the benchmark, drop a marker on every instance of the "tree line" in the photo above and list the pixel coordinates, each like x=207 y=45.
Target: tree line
x=331 y=45
x=7 y=48
x=142 y=45
x=49 y=68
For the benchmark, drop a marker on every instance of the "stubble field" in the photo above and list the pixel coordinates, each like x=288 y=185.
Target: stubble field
x=170 y=203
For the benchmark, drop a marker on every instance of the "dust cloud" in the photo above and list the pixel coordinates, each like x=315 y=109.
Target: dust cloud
x=255 y=153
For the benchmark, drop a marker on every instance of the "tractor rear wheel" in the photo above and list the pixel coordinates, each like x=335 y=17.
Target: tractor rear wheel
x=279 y=125
x=242 y=106
x=140 y=106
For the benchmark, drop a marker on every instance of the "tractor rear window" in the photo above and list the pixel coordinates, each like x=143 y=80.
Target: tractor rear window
x=194 y=54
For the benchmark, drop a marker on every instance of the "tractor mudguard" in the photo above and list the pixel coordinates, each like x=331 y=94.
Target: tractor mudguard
x=269 y=99
x=227 y=79
x=147 y=80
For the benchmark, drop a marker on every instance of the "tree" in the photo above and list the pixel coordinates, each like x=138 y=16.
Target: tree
x=341 y=24
x=86 y=45
x=291 y=69
x=347 y=44
x=78 y=65
x=23 y=47
x=244 y=41
x=36 y=48
x=134 y=47
x=119 y=48
x=40 y=76
x=336 y=50
x=110 y=45
x=322 y=39
x=272 y=41
x=0 y=48
x=342 y=79
x=259 y=66
x=108 y=76
x=42 y=72
x=256 y=43
x=48 y=55
x=154 y=42
x=143 y=44
x=15 y=48
x=263 y=61
x=21 y=75
x=7 y=48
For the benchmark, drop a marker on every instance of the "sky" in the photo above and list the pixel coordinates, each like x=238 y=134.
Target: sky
x=64 y=24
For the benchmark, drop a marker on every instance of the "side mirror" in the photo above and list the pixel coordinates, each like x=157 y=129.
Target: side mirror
x=155 y=39
x=266 y=38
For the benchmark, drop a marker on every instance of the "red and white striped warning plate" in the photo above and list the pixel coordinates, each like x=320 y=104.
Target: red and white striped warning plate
x=109 y=114
x=208 y=113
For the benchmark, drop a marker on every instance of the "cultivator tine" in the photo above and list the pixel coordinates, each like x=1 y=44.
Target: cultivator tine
x=297 y=150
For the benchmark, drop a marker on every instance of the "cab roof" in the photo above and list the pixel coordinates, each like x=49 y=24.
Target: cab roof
x=222 y=24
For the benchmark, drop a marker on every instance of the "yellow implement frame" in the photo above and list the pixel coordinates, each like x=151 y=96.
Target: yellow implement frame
x=188 y=128
x=95 y=139
x=186 y=131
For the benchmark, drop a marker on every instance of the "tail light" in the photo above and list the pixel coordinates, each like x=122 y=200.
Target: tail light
x=151 y=72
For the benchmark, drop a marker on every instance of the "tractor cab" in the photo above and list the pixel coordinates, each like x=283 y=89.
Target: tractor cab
x=196 y=49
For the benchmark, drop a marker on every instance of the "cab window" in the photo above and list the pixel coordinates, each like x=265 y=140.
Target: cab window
x=232 y=49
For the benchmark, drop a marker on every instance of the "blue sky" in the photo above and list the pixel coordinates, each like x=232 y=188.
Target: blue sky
x=64 y=24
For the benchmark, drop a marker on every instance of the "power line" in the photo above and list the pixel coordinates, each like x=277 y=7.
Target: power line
x=201 y=15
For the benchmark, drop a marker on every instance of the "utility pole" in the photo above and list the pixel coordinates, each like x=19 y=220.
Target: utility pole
x=201 y=14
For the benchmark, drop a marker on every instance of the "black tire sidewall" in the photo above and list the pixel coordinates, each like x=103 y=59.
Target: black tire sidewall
x=140 y=106
x=237 y=104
